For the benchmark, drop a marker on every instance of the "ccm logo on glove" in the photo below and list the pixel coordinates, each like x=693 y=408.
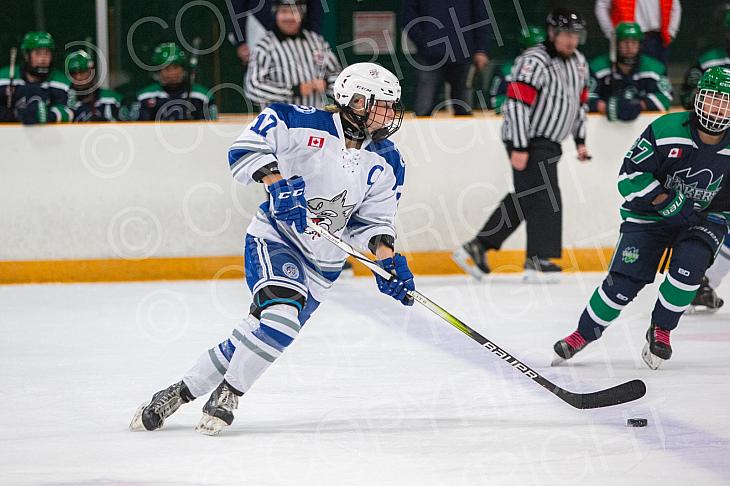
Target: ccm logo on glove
x=288 y=203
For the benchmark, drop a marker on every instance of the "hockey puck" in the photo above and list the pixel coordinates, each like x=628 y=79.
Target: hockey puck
x=636 y=422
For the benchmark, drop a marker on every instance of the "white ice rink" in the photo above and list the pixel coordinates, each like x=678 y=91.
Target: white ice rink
x=371 y=393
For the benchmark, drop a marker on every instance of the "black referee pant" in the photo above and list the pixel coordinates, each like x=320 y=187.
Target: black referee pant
x=536 y=200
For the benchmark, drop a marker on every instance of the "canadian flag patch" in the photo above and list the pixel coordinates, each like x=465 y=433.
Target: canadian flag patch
x=316 y=142
x=675 y=153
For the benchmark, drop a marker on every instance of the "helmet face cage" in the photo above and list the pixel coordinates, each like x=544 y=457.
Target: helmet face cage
x=713 y=109
x=370 y=96
x=387 y=129
x=370 y=116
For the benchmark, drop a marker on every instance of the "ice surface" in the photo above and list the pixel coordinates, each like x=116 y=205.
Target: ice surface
x=371 y=392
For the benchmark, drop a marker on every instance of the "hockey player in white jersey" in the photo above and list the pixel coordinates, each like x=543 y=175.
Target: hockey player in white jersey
x=335 y=166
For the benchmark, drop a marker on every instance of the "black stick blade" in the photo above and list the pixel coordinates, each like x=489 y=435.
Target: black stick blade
x=623 y=393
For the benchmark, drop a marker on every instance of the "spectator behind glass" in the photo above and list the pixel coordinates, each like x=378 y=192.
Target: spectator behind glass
x=658 y=19
x=530 y=37
x=32 y=91
x=450 y=37
x=257 y=17
x=718 y=56
x=173 y=97
x=88 y=101
x=291 y=64
x=625 y=83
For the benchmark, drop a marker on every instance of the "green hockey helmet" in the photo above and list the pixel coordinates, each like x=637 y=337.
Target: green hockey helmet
x=167 y=54
x=37 y=40
x=712 y=102
x=79 y=61
x=629 y=30
x=532 y=36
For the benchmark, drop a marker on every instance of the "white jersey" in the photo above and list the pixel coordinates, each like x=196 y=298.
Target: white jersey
x=352 y=192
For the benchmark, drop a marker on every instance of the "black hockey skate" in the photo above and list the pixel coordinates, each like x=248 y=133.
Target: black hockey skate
x=706 y=300
x=541 y=270
x=473 y=252
x=657 y=348
x=152 y=415
x=218 y=410
x=568 y=347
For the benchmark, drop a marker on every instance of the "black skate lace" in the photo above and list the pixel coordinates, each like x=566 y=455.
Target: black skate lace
x=228 y=398
x=163 y=403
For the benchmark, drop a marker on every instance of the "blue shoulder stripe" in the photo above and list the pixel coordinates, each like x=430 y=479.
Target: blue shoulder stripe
x=296 y=116
x=387 y=150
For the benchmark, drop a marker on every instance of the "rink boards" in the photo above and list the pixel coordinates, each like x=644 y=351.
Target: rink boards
x=139 y=201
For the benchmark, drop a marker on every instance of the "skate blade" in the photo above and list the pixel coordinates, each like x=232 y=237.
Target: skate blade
x=557 y=359
x=535 y=277
x=651 y=360
x=210 y=425
x=136 y=424
x=462 y=259
x=701 y=309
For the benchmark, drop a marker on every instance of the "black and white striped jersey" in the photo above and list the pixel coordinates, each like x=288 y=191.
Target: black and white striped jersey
x=280 y=63
x=546 y=97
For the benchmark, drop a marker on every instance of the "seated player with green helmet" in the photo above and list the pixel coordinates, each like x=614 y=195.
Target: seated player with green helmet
x=671 y=181
x=533 y=36
x=624 y=83
x=87 y=99
x=34 y=93
x=719 y=56
x=173 y=97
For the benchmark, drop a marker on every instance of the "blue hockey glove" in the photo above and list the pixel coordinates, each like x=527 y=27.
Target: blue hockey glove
x=401 y=281
x=678 y=210
x=288 y=203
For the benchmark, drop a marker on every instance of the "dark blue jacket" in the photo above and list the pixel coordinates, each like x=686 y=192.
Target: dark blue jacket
x=262 y=10
x=431 y=22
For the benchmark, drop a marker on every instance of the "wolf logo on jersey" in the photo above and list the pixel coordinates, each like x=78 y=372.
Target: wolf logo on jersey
x=353 y=193
x=331 y=214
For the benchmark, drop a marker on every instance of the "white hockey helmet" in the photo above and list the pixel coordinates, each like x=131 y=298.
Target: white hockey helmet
x=373 y=83
x=367 y=79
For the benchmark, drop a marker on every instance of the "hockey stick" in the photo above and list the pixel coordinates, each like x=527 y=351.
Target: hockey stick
x=193 y=71
x=625 y=392
x=10 y=89
x=193 y=63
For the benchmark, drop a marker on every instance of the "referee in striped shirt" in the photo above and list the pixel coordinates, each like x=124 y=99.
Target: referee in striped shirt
x=291 y=64
x=546 y=102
